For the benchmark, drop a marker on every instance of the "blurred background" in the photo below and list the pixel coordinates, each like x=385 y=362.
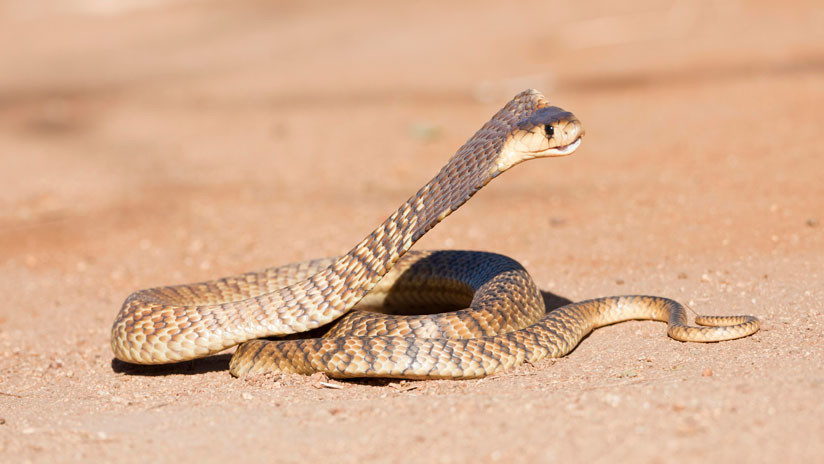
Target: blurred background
x=155 y=142
x=165 y=114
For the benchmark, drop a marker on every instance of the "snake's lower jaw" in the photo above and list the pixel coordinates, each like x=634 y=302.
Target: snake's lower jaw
x=560 y=151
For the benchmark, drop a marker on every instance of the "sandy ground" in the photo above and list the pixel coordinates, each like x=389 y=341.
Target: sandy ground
x=165 y=142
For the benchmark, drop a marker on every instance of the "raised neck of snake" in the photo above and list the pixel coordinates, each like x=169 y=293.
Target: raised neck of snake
x=487 y=154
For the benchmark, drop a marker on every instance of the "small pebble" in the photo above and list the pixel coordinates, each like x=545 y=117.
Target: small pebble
x=812 y=222
x=556 y=221
x=247 y=396
x=707 y=373
x=682 y=275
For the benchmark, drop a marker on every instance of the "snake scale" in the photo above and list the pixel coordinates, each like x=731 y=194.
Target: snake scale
x=494 y=314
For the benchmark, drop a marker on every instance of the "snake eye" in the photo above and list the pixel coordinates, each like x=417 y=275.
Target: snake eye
x=550 y=131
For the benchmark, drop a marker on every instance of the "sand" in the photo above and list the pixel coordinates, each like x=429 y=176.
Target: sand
x=176 y=141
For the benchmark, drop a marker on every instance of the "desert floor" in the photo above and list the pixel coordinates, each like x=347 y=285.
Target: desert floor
x=153 y=143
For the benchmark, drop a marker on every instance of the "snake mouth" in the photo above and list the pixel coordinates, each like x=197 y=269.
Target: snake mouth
x=562 y=150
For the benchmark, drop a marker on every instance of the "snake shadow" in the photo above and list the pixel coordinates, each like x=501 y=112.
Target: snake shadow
x=220 y=362
x=215 y=363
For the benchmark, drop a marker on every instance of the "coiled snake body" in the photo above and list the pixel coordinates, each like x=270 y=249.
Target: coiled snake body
x=504 y=322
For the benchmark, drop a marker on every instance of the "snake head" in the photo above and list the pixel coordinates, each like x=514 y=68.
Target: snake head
x=550 y=131
x=545 y=132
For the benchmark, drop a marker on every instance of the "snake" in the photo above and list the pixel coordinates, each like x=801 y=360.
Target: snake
x=383 y=310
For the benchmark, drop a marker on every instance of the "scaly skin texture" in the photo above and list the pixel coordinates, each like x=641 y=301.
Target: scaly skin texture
x=171 y=324
x=554 y=335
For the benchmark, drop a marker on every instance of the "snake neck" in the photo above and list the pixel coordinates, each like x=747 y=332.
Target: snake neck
x=375 y=255
x=472 y=167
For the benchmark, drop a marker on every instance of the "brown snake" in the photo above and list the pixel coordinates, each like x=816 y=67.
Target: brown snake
x=504 y=323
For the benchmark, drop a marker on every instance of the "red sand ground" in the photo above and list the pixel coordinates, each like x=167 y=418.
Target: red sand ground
x=189 y=140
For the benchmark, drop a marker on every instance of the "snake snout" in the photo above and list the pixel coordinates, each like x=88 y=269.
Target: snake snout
x=571 y=131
